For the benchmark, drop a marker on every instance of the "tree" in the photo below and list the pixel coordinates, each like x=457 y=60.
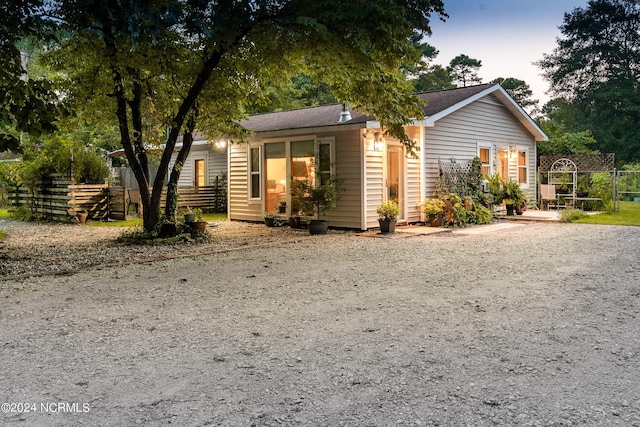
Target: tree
x=26 y=105
x=596 y=69
x=519 y=91
x=190 y=66
x=464 y=70
x=435 y=77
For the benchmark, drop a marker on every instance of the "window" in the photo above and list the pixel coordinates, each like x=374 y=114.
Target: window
x=199 y=172
x=303 y=160
x=275 y=165
x=324 y=160
x=485 y=155
x=254 y=160
x=522 y=167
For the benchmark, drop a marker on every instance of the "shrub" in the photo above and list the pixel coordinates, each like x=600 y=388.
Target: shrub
x=571 y=215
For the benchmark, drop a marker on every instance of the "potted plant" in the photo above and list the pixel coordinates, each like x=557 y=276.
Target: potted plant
x=200 y=224
x=433 y=210
x=82 y=215
x=388 y=213
x=319 y=199
x=282 y=207
x=189 y=216
x=271 y=219
x=512 y=195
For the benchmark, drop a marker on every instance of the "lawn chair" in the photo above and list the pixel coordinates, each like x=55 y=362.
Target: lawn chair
x=548 y=195
x=133 y=194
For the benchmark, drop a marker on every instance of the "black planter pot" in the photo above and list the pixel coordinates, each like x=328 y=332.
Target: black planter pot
x=318 y=226
x=510 y=210
x=189 y=217
x=387 y=225
x=295 y=222
x=168 y=229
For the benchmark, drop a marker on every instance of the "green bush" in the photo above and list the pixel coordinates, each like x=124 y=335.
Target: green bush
x=571 y=215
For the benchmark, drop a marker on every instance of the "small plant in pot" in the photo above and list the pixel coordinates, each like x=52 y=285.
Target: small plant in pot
x=82 y=215
x=320 y=199
x=271 y=219
x=200 y=224
x=388 y=213
x=433 y=210
x=512 y=195
x=189 y=216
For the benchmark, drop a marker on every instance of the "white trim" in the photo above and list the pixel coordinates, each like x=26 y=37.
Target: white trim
x=251 y=199
x=527 y=165
x=492 y=154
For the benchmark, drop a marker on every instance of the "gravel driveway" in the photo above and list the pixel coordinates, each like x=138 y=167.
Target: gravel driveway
x=535 y=325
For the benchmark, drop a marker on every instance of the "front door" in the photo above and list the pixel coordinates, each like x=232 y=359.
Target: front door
x=395 y=177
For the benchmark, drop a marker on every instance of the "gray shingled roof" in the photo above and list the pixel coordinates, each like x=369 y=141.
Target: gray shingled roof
x=327 y=115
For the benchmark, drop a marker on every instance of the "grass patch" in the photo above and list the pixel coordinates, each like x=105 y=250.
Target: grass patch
x=629 y=214
x=4 y=213
x=3 y=234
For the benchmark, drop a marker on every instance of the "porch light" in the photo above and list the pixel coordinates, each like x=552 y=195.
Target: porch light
x=345 y=115
x=221 y=144
x=374 y=140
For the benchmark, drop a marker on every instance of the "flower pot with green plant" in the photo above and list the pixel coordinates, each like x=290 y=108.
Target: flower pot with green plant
x=512 y=195
x=319 y=199
x=200 y=224
x=388 y=213
x=189 y=216
x=271 y=219
x=433 y=210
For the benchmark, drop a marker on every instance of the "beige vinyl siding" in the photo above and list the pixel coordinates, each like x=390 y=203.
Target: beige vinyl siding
x=240 y=207
x=217 y=164
x=348 y=167
x=374 y=184
x=413 y=190
x=215 y=160
x=458 y=134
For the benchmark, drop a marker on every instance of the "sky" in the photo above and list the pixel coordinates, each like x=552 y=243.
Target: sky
x=506 y=35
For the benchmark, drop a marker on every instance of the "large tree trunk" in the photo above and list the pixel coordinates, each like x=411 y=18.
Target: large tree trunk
x=171 y=204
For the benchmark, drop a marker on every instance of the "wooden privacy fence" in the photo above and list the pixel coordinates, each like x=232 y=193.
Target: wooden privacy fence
x=59 y=199
x=210 y=198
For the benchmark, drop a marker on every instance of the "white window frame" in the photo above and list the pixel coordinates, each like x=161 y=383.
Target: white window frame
x=490 y=147
x=251 y=173
x=524 y=150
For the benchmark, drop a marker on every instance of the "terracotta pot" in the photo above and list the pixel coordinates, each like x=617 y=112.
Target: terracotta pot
x=82 y=217
x=200 y=225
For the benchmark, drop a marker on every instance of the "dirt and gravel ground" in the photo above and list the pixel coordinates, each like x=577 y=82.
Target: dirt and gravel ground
x=534 y=325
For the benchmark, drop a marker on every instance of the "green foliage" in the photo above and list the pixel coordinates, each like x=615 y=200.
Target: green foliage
x=464 y=70
x=320 y=198
x=198 y=66
x=22 y=213
x=629 y=182
x=59 y=154
x=572 y=215
x=388 y=210
x=512 y=193
x=519 y=90
x=482 y=214
x=434 y=206
x=28 y=104
x=595 y=68
x=601 y=186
